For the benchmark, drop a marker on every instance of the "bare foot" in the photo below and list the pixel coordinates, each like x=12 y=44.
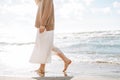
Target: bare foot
x=65 y=74
x=40 y=73
x=66 y=65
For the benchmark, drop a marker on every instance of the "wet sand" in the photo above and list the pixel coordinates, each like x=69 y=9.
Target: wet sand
x=76 y=71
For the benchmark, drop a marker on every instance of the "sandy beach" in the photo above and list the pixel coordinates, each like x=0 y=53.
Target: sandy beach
x=76 y=71
x=86 y=31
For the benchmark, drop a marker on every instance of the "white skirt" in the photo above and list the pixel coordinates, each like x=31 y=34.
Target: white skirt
x=43 y=47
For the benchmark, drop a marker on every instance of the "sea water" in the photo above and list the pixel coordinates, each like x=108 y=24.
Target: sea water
x=92 y=47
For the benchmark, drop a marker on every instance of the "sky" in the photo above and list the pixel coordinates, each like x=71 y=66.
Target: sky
x=70 y=15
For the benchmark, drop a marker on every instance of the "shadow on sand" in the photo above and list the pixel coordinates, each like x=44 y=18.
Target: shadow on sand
x=52 y=78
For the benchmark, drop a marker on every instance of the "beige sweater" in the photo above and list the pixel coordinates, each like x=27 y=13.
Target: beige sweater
x=45 y=15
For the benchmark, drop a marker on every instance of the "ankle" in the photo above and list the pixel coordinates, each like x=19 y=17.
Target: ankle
x=67 y=60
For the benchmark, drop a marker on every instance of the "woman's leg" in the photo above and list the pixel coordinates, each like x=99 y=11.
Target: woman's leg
x=66 y=60
x=41 y=70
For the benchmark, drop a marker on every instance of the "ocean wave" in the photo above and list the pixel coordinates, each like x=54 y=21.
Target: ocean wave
x=107 y=62
x=6 y=43
x=97 y=35
x=96 y=58
x=98 y=61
